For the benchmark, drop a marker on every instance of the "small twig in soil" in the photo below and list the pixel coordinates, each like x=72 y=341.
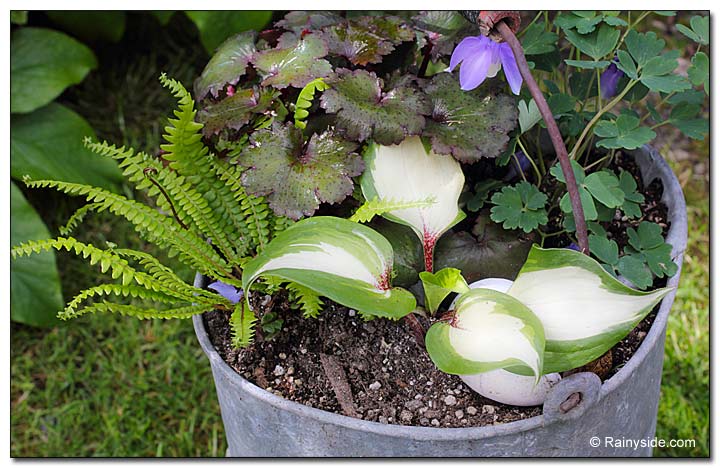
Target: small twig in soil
x=417 y=329
x=338 y=380
x=259 y=374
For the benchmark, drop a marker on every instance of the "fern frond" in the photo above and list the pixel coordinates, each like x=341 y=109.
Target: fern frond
x=280 y=223
x=166 y=280
x=305 y=98
x=308 y=300
x=140 y=313
x=134 y=166
x=242 y=325
x=255 y=210
x=191 y=158
x=121 y=290
x=172 y=192
x=108 y=260
x=77 y=218
x=377 y=207
x=184 y=148
x=155 y=227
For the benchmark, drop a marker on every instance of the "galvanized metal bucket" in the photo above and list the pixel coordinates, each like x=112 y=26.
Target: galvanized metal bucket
x=614 y=418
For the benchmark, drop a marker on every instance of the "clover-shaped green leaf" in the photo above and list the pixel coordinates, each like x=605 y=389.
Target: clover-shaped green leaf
x=699 y=71
x=585 y=21
x=296 y=177
x=643 y=46
x=521 y=206
x=537 y=41
x=605 y=188
x=684 y=116
x=647 y=242
x=644 y=60
x=470 y=125
x=597 y=44
x=602 y=186
x=294 y=62
x=632 y=267
x=236 y=110
x=227 y=65
x=631 y=204
x=529 y=115
x=699 y=30
x=365 y=111
x=624 y=132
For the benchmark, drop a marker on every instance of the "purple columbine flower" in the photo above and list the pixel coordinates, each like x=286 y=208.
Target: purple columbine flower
x=513 y=171
x=482 y=58
x=609 y=80
x=227 y=291
x=573 y=246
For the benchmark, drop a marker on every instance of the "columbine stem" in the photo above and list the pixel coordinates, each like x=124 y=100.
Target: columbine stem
x=553 y=130
x=600 y=113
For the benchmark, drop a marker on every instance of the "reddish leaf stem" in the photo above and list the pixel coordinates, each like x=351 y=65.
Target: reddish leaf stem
x=555 y=135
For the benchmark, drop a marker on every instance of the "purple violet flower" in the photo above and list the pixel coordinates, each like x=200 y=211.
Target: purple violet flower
x=227 y=291
x=513 y=171
x=609 y=80
x=482 y=58
x=573 y=246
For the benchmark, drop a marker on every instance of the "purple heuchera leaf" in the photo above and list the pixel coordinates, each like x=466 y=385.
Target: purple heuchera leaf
x=227 y=291
x=482 y=58
x=609 y=80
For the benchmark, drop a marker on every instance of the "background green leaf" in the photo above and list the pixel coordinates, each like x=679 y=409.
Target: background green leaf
x=216 y=26
x=43 y=63
x=35 y=294
x=48 y=144
x=598 y=44
x=91 y=25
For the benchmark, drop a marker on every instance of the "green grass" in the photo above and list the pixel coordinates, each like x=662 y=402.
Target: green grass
x=684 y=411
x=110 y=385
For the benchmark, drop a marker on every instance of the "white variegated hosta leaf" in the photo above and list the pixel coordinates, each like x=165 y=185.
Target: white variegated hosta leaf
x=344 y=261
x=584 y=310
x=489 y=330
x=409 y=171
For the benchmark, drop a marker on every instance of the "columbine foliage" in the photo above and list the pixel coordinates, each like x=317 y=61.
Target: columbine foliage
x=521 y=206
